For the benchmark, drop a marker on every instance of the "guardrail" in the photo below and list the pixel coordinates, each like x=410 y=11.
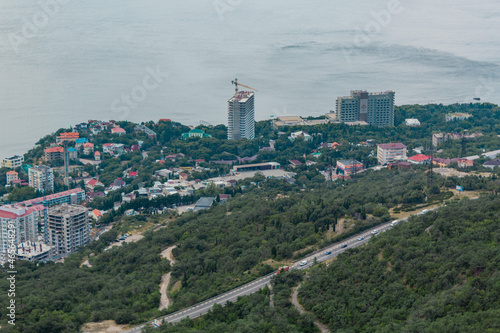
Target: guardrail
x=311 y=255
x=207 y=300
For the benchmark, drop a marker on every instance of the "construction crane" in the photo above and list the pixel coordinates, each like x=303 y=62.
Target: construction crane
x=236 y=84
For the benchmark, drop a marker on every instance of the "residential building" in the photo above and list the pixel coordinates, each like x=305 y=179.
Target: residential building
x=68 y=227
x=439 y=138
x=374 y=108
x=419 y=159
x=295 y=163
x=88 y=148
x=349 y=167
x=41 y=178
x=241 y=116
x=96 y=214
x=67 y=136
x=464 y=163
x=54 y=153
x=391 y=152
x=457 y=116
x=72 y=153
x=492 y=164
x=164 y=173
x=149 y=132
x=441 y=162
x=81 y=142
x=97 y=155
x=117 y=184
x=11 y=176
x=300 y=134
x=118 y=130
x=34 y=251
x=23 y=221
x=92 y=184
x=12 y=162
x=74 y=196
x=412 y=122
x=195 y=133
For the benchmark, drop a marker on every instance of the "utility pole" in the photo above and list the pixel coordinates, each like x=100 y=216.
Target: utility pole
x=430 y=172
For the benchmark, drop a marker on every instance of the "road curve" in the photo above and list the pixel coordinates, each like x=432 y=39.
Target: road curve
x=254 y=286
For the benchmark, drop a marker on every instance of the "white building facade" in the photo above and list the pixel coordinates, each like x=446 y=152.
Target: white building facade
x=17 y=225
x=241 y=116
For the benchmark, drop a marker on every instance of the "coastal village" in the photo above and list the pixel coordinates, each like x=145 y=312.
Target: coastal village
x=68 y=175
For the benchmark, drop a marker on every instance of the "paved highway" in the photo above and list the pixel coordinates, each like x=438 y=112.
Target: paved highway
x=252 y=287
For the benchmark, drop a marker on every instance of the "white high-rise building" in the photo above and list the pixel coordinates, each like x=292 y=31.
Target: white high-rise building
x=41 y=178
x=241 y=116
x=17 y=225
x=68 y=228
x=374 y=108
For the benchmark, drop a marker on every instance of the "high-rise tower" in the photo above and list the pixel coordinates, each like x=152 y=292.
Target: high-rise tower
x=374 y=108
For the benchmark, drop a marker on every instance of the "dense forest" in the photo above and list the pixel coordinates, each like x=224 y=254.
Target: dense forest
x=253 y=313
x=435 y=273
x=217 y=250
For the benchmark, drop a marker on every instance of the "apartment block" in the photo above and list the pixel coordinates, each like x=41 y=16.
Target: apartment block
x=54 y=153
x=439 y=138
x=376 y=109
x=349 y=167
x=241 y=116
x=11 y=176
x=74 y=196
x=68 y=227
x=67 y=136
x=17 y=225
x=12 y=162
x=41 y=178
x=391 y=152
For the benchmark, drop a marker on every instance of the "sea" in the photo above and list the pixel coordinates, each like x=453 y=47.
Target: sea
x=63 y=62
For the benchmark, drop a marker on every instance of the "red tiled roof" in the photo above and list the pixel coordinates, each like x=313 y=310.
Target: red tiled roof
x=88 y=145
x=97 y=153
x=419 y=158
x=97 y=213
x=55 y=150
x=69 y=135
x=118 y=130
x=27 y=211
x=391 y=145
x=50 y=197
x=133 y=173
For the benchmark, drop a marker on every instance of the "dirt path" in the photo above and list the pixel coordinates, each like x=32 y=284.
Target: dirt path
x=295 y=301
x=167 y=254
x=108 y=326
x=164 y=301
x=86 y=263
x=165 y=280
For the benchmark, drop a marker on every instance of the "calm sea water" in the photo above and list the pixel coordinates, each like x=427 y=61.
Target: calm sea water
x=67 y=61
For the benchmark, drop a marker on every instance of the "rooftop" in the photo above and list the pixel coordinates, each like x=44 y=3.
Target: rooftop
x=419 y=158
x=391 y=146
